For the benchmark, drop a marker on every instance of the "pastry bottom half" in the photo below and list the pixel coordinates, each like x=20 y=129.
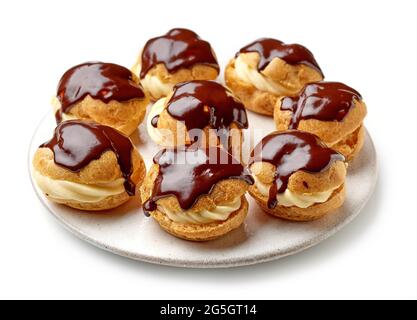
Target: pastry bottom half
x=203 y=232
x=294 y=213
x=351 y=144
x=107 y=203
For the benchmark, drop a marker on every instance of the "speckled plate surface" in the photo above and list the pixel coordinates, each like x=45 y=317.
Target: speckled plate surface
x=126 y=231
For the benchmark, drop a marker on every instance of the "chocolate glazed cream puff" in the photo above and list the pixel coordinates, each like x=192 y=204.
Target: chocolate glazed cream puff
x=106 y=93
x=268 y=69
x=331 y=110
x=88 y=166
x=198 y=111
x=196 y=194
x=178 y=56
x=296 y=176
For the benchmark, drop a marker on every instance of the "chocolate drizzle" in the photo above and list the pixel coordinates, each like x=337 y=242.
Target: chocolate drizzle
x=325 y=101
x=104 y=81
x=179 y=48
x=202 y=103
x=289 y=152
x=58 y=116
x=293 y=54
x=188 y=173
x=154 y=121
x=76 y=143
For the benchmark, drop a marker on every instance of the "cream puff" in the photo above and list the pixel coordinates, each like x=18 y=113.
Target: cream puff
x=297 y=177
x=178 y=56
x=331 y=110
x=268 y=69
x=88 y=166
x=199 y=111
x=196 y=194
x=106 y=93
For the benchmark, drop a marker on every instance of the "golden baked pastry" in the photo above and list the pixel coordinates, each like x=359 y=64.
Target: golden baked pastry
x=106 y=93
x=268 y=69
x=296 y=176
x=331 y=110
x=196 y=194
x=178 y=56
x=198 y=111
x=88 y=166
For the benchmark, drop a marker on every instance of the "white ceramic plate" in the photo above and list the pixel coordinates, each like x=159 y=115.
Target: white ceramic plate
x=127 y=232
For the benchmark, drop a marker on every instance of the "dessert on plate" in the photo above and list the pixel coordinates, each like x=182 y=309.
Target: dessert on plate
x=297 y=177
x=331 y=110
x=88 y=166
x=102 y=92
x=179 y=55
x=268 y=69
x=196 y=193
x=198 y=111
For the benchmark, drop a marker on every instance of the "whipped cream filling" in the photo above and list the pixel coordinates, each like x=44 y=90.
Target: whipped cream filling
x=250 y=74
x=137 y=67
x=289 y=198
x=156 y=109
x=68 y=190
x=220 y=213
x=156 y=87
x=56 y=105
x=66 y=117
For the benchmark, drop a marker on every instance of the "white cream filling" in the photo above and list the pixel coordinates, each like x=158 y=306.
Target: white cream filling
x=156 y=87
x=137 y=67
x=220 y=213
x=289 y=198
x=156 y=110
x=68 y=190
x=56 y=105
x=251 y=75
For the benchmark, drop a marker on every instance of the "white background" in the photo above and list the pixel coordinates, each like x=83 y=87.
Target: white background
x=369 y=45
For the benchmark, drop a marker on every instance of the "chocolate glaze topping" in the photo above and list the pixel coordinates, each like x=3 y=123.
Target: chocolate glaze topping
x=154 y=121
x=76 y=143
x=289 y=152
x=104 y=81
x=202 y=103
x=188 y=173
x=325 y=101
x=269 y=49
x=179 y=48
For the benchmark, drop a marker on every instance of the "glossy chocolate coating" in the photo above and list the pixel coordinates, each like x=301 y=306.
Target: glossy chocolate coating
x=202 y=103
x=103 y=81
x=188 y=173
x=293 y=54
x=179 y=48
x=325 y=101
x=154 y=121
x=289 y=152
x=76 y=143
